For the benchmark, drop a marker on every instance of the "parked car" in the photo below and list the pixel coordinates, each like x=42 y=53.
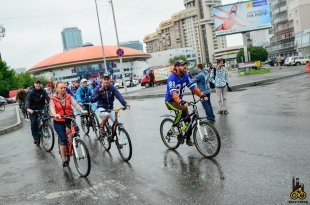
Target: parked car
x=296 y=60
x=119 y=83
x=273 y=62
x=7 y=100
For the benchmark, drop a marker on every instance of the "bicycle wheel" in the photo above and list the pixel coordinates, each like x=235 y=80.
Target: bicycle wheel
x=82 y=163
x=95 y=124
x=48 y=137
x=171 y=141
x=84 y=124
x=123 y=144
x=207 y=140
x=2 y=107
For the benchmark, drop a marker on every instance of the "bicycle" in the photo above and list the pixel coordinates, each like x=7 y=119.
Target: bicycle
x=77 y=148
x=204 y=133
x=2 y=106
x=46 y=132
x=23 y=109
x=118 y=134
x=90 y=120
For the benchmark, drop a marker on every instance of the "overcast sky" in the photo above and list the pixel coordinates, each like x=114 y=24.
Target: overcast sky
x=33 y=27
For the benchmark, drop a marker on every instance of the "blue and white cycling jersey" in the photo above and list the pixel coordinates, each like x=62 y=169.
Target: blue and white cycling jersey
x=177 y=84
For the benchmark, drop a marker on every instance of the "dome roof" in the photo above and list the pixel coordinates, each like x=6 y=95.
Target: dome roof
x=85 y=55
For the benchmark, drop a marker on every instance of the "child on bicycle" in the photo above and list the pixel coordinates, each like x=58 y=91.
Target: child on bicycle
x=176 y=83
x=61 y=104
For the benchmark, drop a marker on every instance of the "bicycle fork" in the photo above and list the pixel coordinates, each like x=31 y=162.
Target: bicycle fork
x=75 y=152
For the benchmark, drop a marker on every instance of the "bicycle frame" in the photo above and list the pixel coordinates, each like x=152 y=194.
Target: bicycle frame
x=115 y=123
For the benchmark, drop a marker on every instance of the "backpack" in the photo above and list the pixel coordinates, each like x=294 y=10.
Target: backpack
x=212 y=86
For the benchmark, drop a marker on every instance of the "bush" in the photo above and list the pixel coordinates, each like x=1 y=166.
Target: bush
x=257 y=53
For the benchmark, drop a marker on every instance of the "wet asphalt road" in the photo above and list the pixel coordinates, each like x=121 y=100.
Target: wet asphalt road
x=265 y=142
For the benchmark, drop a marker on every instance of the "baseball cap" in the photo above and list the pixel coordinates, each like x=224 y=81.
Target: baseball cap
x=106 y=75
x=37 y=81
x=83 y=80
x=180 y=63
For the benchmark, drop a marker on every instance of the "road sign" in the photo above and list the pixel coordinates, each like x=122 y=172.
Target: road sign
x=120 y=52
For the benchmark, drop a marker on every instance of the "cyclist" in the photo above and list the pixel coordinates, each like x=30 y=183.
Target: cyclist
x=83 y=94
x=61 y=104
x=21 y=98
x=176 y=82
x=36 y=100
x=104 y=95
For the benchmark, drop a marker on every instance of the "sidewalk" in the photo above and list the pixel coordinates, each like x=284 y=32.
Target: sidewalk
x=235 y=82
x=9 y=119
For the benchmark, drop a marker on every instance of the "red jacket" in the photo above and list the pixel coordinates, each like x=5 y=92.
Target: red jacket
x=62 y=110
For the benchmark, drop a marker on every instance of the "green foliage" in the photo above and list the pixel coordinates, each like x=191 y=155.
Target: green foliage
x=254 y=71
x=9 y=80
x=176 y=58
x=257 y=53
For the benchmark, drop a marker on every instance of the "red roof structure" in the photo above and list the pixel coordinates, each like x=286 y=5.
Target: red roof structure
x=85 y=55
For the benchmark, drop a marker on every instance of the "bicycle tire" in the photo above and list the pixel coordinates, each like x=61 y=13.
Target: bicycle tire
x=105 y=142
x=81 y=144
x=84 y=125
x=120 y=142
x=211 y=130
x=167 y=139
x=2 y=107
x=95 y=124
x=51 y=136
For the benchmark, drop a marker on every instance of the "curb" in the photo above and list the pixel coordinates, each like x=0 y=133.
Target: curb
x=233 y=87
x=16 y=126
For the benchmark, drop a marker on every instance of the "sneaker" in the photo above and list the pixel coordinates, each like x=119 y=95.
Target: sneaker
x=220 y=112
x=226 y=112
x=175 y=130
x=65 y=163
x=189 y=142
x=35 y=141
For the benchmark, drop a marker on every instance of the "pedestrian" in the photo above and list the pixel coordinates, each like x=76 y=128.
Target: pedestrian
x=211 y=69
x=202 y=80
x=36 y=99
x=50 y=88
x=220 y=81
x=151 y=74
x=278 y=60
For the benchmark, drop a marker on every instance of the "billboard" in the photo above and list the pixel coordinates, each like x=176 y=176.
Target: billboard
x=242 y=17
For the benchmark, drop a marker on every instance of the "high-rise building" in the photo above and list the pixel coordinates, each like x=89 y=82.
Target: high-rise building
x=132 y=44
x=71 y=38
x=191 y=27
x=298 y=12
x=282 y=33
x=260 y=38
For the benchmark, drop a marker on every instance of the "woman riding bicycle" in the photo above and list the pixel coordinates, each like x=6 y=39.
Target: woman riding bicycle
x=104 y=95
x=62 y=104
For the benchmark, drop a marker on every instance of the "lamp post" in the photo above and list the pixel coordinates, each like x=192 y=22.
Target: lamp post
x=2 y=34
x=102 y=47
x=120 y=58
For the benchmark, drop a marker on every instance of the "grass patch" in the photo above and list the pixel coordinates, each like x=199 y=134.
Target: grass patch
x=257 y=71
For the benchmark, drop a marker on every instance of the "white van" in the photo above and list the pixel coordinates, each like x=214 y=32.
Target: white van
x=296 y=60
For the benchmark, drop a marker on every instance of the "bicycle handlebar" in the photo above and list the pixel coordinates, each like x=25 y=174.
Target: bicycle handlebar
x=115 y=110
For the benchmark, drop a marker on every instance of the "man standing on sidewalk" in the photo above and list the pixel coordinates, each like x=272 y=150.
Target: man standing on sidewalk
x=220 y=82
x=36 y=100
x=202 y=80
x=278 y=60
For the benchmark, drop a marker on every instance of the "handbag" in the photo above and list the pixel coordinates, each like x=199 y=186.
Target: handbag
x=228 y=87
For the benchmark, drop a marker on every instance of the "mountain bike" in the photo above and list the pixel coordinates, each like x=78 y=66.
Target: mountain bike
x=2 y=106
x=46 y=131
x=76 y=148
x=90 y=120
x=118 y=134
x=23 y=109
x=205 y=136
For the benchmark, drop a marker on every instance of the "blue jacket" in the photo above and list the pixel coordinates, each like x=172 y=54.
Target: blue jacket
x=83 y=94
x=105 y=98
x=69 y=91
x=202 y=80
x=220 y=77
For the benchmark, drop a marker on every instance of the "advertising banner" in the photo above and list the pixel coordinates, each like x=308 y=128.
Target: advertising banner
x=242 y=17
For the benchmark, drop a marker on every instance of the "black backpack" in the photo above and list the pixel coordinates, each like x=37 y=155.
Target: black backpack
x=212 y=86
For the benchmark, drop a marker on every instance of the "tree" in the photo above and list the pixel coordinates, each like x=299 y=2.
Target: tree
x=8 y=80
x=176 y=58
x=257 y=53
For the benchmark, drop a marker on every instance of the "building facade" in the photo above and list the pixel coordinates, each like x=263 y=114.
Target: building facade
x=298 y=13
x=71 y=38
x=260 y=38
x=132 y=44
x=191 y=27
x=282 y=34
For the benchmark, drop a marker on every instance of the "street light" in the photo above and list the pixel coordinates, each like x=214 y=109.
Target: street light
x=120 y=58
x=102 y=48
x=2 y=34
